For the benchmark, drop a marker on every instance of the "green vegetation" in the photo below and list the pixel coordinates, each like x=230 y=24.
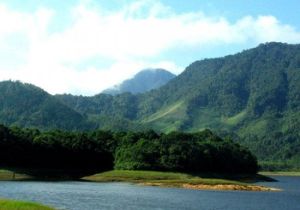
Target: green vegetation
x=234 y=120
x=156 y=176
x=29 y=106
x=21 y=205
x=177 y=151
x=172 y=115
x=55 y=153
x=252 y=96
x=7 y=175
x=74 y=154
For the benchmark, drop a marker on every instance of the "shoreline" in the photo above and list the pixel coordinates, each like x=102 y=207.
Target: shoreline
x=221 y=187
x=178 y=180
x=170 y=179
x=279 y=173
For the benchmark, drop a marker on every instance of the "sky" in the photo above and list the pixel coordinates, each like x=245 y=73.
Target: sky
x=84 y=46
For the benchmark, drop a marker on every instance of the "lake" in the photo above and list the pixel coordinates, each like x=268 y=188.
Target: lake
x=76 y=195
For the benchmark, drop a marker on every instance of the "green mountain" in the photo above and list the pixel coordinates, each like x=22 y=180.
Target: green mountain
x=143 y=81
x=26 y=105
x=246 y=93
x=253 y=96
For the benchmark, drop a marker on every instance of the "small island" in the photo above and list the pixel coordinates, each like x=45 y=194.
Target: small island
x=182 y=180
x=200 y=160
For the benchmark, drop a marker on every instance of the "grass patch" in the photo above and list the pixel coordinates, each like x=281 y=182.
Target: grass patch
x=234 y=120
x=168 y=118
x=164 y=112
x=167 y=179
x=7 y=175
x=21 y=205
x=117 y=175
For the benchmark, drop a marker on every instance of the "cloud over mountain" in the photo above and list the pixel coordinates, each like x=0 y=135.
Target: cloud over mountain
x=96 y=47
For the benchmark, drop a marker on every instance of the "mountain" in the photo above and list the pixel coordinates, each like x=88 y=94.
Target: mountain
x=252 y=96
x=143 y=81
x=224 y=93
x=26 y=105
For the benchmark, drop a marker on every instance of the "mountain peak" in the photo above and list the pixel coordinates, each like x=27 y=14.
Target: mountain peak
x=143 y=81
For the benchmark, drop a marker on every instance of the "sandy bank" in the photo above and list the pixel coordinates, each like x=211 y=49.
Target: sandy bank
x=215 y=187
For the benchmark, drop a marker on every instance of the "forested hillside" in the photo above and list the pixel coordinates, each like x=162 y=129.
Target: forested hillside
x=29 y=106
x=253 y=96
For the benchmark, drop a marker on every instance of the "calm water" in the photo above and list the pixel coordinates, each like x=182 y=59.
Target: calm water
x=96 y=196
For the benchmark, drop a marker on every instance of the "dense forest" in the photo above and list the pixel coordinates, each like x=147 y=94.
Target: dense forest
x=62 y=153
x=26 y=105
x=252 y=96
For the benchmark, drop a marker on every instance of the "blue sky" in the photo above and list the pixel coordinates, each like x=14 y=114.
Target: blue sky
x=85 y=46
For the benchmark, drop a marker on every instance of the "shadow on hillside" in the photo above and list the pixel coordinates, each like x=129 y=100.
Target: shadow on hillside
x=43 y=174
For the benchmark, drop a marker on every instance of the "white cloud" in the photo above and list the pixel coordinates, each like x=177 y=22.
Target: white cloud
x=131 y=38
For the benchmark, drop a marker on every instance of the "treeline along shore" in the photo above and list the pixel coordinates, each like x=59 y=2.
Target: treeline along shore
x=58 y=153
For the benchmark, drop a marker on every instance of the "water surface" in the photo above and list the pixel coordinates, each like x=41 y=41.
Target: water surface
x=75 y=195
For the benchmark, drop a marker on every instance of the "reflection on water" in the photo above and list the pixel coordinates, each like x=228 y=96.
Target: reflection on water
x=95 y=196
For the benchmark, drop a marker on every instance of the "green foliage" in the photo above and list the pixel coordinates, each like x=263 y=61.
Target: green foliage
x=57 y=153
x=28 y=106
x=177 y=151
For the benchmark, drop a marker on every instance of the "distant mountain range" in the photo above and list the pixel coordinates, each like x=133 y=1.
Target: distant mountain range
x=143 y=81
x=253 y=96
